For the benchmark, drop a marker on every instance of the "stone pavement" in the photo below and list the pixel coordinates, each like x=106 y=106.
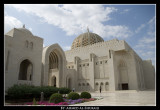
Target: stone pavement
x=123 y=98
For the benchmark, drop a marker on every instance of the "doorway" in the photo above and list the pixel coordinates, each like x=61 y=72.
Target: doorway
x=124 y=86
x=54 y=81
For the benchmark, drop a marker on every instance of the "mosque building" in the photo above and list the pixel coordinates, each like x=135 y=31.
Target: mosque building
x=90 y=63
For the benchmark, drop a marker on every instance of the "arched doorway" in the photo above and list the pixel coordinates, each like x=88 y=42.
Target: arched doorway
x=53 y=69
x=53 y=81
x=54 y=62
x=25 y=70
x=123 y=76
x=69 y=83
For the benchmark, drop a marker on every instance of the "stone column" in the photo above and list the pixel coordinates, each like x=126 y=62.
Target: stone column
x=91 y=71
x=112 y=84
x=76 y=64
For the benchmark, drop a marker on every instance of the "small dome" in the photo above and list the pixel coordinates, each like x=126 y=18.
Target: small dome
x=85 y=39
x=23 y=29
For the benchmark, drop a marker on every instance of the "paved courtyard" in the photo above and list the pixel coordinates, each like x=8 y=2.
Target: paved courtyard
x=123 y=98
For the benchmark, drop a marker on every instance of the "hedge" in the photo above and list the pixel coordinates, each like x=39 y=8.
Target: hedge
x=28 y=92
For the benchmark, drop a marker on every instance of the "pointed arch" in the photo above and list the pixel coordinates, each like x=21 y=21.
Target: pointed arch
x=123 y=75
x=54 y=57
x=25 y=70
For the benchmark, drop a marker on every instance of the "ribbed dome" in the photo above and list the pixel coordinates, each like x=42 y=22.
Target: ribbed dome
x=25 y=30
x=85 y=39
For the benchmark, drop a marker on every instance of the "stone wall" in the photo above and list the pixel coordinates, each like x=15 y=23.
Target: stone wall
x=19 y=47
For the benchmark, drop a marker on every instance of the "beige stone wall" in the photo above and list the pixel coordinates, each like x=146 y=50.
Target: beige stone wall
x=125 y=70
x=18 y=49
x=149 y=74
x=109 y=74
x=100 y=69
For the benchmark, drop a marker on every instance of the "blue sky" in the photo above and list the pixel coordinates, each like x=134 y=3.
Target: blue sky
x=63 y=23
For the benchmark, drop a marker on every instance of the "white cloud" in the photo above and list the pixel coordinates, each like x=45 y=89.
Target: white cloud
x=148 y=53
x=11 y=22
x=140 y=28
x=74 y=19
x=151 y=21
x=30 y=29
x=151 y=27
x=147 y=40
x=67 y=48
x=125 y=11
x=117 y=31
x=146 y=45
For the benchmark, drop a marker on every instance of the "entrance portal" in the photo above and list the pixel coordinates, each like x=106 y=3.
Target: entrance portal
x=54 y=81
x=69 y=83
x=26 y=69
x=125 y=86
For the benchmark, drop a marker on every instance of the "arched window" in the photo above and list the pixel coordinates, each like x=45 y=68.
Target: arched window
x=26 y=70
x=107 y=83
x=96 y=83
x=101 y=83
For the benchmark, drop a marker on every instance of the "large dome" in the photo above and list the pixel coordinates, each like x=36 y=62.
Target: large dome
x=85 y=39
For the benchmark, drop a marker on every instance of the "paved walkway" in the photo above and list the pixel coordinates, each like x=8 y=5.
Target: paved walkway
x=123 y=98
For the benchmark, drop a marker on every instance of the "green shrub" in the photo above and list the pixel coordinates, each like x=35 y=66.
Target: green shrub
x=36 y=92
x=73 y=95
x=48 y=90
x=85 y=95
x=64 y=90
x=56 y=98
x=27 y=91
x=19 y=91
